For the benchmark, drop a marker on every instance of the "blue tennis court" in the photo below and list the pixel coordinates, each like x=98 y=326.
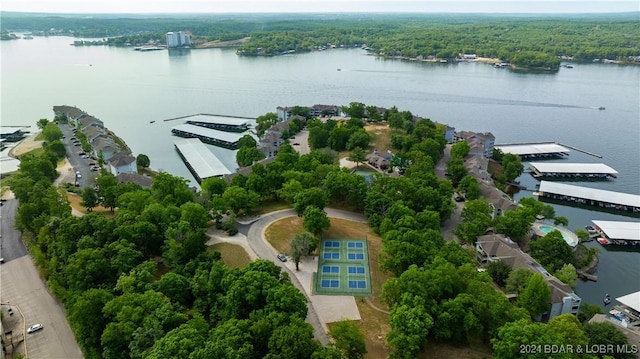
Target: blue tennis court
x=355 y=256
x=355 y=245
x=358 y=284
x=356 y=270
x=331 y=255
x=330 y=283
x=330 y=269
x=332 y=244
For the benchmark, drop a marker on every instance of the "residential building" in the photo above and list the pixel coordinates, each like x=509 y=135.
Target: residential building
x=479 y=143
x=178 y=39
x=122 y=162
x=104 y=147
x=88 y=120
x=325 y=111
x=497 y=247
x=73 y=113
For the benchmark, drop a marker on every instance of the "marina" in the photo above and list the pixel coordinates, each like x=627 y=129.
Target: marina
x=216 y=122
x=589 y=196
x=593 y=171
x=223 y=139
x=535 y=150
x=199 y=160
x=618 y=232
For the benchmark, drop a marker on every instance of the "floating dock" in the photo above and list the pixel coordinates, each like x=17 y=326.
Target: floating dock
x=222 y=123
x=590 y=196
x=535 y=150
x=572 y=170
x=199 y=160
x=223 y=139
x=617 y=232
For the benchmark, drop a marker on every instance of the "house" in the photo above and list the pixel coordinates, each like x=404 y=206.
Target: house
x=479 y=143
x=381 y=160
x=325 y=111
x=104 y=147
x=448 y=131
x=86 y=121
x=72 y=113
x=122 y=162
x=497 y=247
x=94 y=132
x=268 y=150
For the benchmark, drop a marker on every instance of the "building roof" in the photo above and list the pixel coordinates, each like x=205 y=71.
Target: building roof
x=631 y=300
x=140 y=180
x=558 y=167
x=620 y=198
x=202 y=161
x=121 y=159
x=222 y=120
x=230 y=137
x=90 y=120
x=533 y=149
x=102 y=144
x=629 y=231
x=71 y=111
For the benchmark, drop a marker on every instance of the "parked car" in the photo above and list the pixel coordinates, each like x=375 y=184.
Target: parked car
x=282 y=257
x=34 y=328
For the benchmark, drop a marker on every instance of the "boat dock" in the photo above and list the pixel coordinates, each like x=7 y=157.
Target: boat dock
x=572 y=170
x=620 y=233
x=222 y=123
x=199 y=160
x=208 y=114
x=538 y=150
x=218 y=138
x=590 y=196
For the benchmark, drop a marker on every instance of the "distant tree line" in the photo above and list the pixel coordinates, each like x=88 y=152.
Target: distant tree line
x=527 y=41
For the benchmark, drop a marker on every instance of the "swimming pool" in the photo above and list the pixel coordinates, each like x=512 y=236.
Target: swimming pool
x=567 y=238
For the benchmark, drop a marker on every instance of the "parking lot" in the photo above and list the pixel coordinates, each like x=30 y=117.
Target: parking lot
x=84 y=166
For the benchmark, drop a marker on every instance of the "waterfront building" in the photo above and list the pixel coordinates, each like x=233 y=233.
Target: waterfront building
x=589 y=196
x=177 y=39
x=87 y=120
x=497 y=247
x=122 y=162
x=73 y=113
x=104 y=147
x=479 y=143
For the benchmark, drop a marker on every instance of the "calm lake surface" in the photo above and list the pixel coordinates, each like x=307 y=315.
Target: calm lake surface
x=128 y=89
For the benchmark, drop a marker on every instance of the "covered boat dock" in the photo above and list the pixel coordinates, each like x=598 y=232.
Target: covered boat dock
x=590 y=196
x=222 y=123
x=535 y=150
x=199 y=160
x=571 y=170
x=617 y=232
x=207 y=135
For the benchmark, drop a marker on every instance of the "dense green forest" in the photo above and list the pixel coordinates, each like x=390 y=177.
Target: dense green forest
x=141 y=284
x=527 y=41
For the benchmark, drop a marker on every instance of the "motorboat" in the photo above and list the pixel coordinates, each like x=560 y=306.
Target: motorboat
x=603 y=241
x=607 y=299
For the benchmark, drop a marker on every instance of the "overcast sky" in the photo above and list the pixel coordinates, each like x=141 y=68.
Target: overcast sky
x=278 y=6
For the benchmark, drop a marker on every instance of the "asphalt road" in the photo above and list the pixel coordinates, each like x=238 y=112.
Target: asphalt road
x=23 y=289
x=11 y=246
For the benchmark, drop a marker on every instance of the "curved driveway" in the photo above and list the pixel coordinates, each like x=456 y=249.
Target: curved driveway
x=258 y=243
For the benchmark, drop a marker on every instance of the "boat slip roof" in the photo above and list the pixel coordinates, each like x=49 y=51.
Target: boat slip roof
x=201 y=160
x=230 y=137
x=620 y=230
x=624 y=199
x=222 y=120
x=631 y=300
x=533 y=149
x=557 y=167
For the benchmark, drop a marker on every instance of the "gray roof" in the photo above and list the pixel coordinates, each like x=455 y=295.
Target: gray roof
x=140 y=180
x=533 y=148
x=557 y=167
x=201 y=160
x=624 y=199
x=620 y=230
x=230 y=137
x=121 y=159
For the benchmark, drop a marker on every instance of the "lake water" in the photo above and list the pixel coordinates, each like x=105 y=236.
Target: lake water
x=128 y=89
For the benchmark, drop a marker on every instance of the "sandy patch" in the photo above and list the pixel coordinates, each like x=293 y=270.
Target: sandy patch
x=26 y=145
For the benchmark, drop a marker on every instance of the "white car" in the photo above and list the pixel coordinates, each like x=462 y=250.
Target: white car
x=34 y=328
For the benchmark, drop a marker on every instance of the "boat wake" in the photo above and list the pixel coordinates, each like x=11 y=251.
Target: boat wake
x=498 y=101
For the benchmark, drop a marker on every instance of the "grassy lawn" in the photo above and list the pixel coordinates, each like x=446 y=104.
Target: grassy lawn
x=271 y=206
x=74 y=201
x=380 y=137
x=233 y=255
